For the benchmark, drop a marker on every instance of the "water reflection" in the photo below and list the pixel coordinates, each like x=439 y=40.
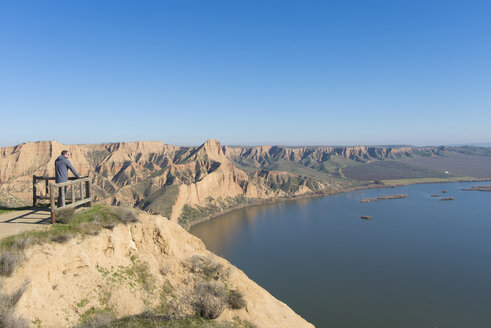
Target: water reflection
x=221 y=232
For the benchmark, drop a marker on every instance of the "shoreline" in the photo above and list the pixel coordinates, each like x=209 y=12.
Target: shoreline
x=325 y=194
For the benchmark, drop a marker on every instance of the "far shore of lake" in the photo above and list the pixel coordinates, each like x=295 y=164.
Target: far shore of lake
x=384 y=184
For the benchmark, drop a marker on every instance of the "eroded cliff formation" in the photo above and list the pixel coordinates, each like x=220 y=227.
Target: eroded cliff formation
x=188 y=183
x=179 y=182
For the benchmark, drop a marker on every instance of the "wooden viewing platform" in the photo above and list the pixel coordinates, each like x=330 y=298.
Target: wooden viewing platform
x=79 y=193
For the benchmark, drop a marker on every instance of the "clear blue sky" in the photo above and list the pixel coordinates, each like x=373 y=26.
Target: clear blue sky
x=246 y=72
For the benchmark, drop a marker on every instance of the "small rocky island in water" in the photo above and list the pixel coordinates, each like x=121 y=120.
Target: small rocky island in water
x=447 y=198
x=395 y=196
x=478 y=188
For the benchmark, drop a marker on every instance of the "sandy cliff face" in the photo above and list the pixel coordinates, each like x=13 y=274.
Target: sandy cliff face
x=223 y=180
x=153 y=176
x=96 y=272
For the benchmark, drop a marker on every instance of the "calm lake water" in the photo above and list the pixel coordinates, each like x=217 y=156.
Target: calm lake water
x=419 y=262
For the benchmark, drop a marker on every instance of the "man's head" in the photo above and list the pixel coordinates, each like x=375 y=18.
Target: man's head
x=65 y=153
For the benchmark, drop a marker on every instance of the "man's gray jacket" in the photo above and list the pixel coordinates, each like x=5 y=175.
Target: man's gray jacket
x=61 y=169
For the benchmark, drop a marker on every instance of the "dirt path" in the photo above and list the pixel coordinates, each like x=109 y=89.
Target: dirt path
x=12 y=223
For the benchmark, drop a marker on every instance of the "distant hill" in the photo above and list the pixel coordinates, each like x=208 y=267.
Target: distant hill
x=483 y=144
x=188 y=184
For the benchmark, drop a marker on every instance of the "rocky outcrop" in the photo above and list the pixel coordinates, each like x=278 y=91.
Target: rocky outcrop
x=153 y=264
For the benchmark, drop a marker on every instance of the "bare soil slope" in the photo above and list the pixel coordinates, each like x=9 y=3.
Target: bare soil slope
x=153 y=264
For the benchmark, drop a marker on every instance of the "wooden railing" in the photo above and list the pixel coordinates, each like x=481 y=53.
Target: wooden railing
x=42 y=195
x=79 y=193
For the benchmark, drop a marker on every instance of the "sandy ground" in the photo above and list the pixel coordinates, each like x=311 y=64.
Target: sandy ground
x=17 y=221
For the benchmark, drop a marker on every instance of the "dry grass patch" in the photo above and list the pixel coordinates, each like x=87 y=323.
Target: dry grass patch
x=19 y=244
x=209 y=299
x=9 y=261
x=235 y=300
x=208 y=267
x=96 y=318
x=140 y=272
x=149 y=320
x=65 y=215
x=7 y=304
x=61 y=238
x=126 y=215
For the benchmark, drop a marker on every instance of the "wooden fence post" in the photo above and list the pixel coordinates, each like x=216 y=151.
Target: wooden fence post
x=62 y=192
x=88 y=192
x=73 y=193
x=34 y=198
x=52 y=201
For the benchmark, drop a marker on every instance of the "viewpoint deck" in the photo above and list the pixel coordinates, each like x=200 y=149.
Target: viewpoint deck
x=14 y=222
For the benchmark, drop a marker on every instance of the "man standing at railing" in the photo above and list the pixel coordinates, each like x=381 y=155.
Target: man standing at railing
x=62 y=164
